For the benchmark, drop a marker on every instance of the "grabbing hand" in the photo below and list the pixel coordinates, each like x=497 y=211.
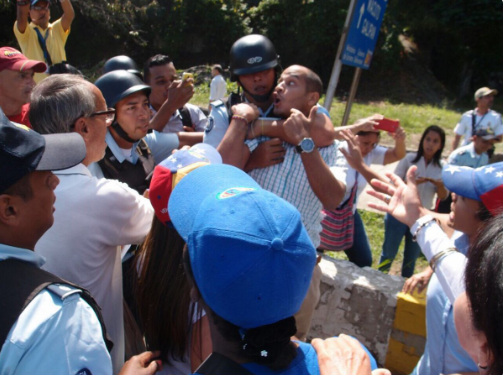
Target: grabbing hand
x=402 y=199
x=267 y=153
x=297 y=126
x=180 y=92
x=247 y=110
x=142 y=364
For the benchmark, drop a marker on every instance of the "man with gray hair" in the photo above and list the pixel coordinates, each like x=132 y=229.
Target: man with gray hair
x=93 y=217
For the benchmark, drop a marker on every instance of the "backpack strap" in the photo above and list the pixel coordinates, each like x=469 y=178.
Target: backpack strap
x=22 y=282
x=218 y=364
x=43 y=45
x=185 y=115
x=231 y=100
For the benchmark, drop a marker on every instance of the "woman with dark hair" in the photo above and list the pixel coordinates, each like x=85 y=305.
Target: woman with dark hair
x=478 y=312
x=170 y=321
x=429 y=181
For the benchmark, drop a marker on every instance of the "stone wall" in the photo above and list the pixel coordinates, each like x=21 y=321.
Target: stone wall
x=358 y=302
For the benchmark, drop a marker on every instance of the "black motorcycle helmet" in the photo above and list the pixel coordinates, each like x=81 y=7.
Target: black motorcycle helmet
x=251 y=54
x=117 y=85
x=122 y=62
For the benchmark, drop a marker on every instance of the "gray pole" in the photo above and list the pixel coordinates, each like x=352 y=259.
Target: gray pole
x=336 y=71
x=352 y=93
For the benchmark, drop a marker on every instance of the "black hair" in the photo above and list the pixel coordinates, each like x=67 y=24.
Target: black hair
x=313 y=82
x=21 y=188
x=218 y=67
x=157 y=60
x=438 y=155
x=267 y=345
x=484 y=288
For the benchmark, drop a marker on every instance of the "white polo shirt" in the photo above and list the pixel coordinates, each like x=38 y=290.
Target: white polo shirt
x=93 y=219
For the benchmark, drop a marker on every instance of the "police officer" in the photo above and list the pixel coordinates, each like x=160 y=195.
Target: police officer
x=122 y=62
x=255 y=66
x=47 y=326
x=132 y=152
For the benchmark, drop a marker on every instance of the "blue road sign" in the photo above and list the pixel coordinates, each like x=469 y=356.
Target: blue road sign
x=363 y=33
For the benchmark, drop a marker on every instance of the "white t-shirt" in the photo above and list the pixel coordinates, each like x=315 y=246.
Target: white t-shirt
x=376 y=156
x=218 y=88
x=426 y=190
x=491 y=119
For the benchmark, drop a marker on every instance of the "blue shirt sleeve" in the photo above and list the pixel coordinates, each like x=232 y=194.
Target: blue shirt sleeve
x=161 y=144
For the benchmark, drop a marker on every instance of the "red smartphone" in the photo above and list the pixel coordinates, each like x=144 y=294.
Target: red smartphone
x=387 y=124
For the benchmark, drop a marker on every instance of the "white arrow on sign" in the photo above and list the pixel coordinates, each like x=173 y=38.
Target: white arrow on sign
x=362 y=10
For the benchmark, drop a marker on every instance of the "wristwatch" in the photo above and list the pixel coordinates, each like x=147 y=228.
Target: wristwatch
x=306 y=145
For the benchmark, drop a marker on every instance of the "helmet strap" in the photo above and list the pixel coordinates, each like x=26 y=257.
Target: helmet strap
x=258 y=98
x=122 y=133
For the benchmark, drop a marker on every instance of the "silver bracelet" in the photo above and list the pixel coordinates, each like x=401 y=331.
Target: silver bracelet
x=423 y=221
x=440 y=255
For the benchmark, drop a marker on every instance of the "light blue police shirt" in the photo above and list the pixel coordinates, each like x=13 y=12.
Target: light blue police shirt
x=161 y=145
x=53 y=335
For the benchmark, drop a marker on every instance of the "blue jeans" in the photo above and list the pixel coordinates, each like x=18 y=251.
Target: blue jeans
x=360 y=253
x=393 y=234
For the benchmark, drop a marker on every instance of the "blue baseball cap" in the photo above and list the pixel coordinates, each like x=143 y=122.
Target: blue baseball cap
x=23 y=150
x=483 y=184
x=251 y=256
x=33 y=2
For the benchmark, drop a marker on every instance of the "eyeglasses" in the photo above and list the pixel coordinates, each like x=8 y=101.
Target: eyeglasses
x=109 y=113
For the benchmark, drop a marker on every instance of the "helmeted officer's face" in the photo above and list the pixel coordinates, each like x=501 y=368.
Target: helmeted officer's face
x=133 y=115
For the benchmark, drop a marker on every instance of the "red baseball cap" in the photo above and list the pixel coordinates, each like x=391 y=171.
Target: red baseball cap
x=12 y=59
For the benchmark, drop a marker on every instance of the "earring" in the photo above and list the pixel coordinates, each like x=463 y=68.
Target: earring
x=482 y=367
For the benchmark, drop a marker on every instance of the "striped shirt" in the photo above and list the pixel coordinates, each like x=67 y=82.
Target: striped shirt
x=289 y=181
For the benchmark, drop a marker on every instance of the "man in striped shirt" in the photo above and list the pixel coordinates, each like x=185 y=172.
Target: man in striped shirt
x=303 y=178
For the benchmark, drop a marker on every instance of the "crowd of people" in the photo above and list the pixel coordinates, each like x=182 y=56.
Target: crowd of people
x=140 y=235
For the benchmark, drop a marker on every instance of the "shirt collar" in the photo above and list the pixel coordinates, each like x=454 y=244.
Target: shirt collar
x=262 y=113
x=11 y=252
x=78 y=169
x=116 y=150
x=471 y=150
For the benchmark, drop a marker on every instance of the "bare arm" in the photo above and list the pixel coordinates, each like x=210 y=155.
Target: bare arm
x=399 y=151
x=455 y=141
x=22 y=17
x=364 y=124
x=68 y=14
x=232 y=148
x=179 y=93
x=322 y=131
x=326 y=187
x=189 y=138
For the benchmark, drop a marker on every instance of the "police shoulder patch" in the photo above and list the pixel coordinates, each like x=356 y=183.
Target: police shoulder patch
x=209 y=124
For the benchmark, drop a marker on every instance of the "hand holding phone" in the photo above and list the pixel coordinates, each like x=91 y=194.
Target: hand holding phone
x=387 y=124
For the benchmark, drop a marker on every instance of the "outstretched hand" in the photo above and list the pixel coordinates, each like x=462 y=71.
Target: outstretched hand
x=402 y=200
x=353 y=154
